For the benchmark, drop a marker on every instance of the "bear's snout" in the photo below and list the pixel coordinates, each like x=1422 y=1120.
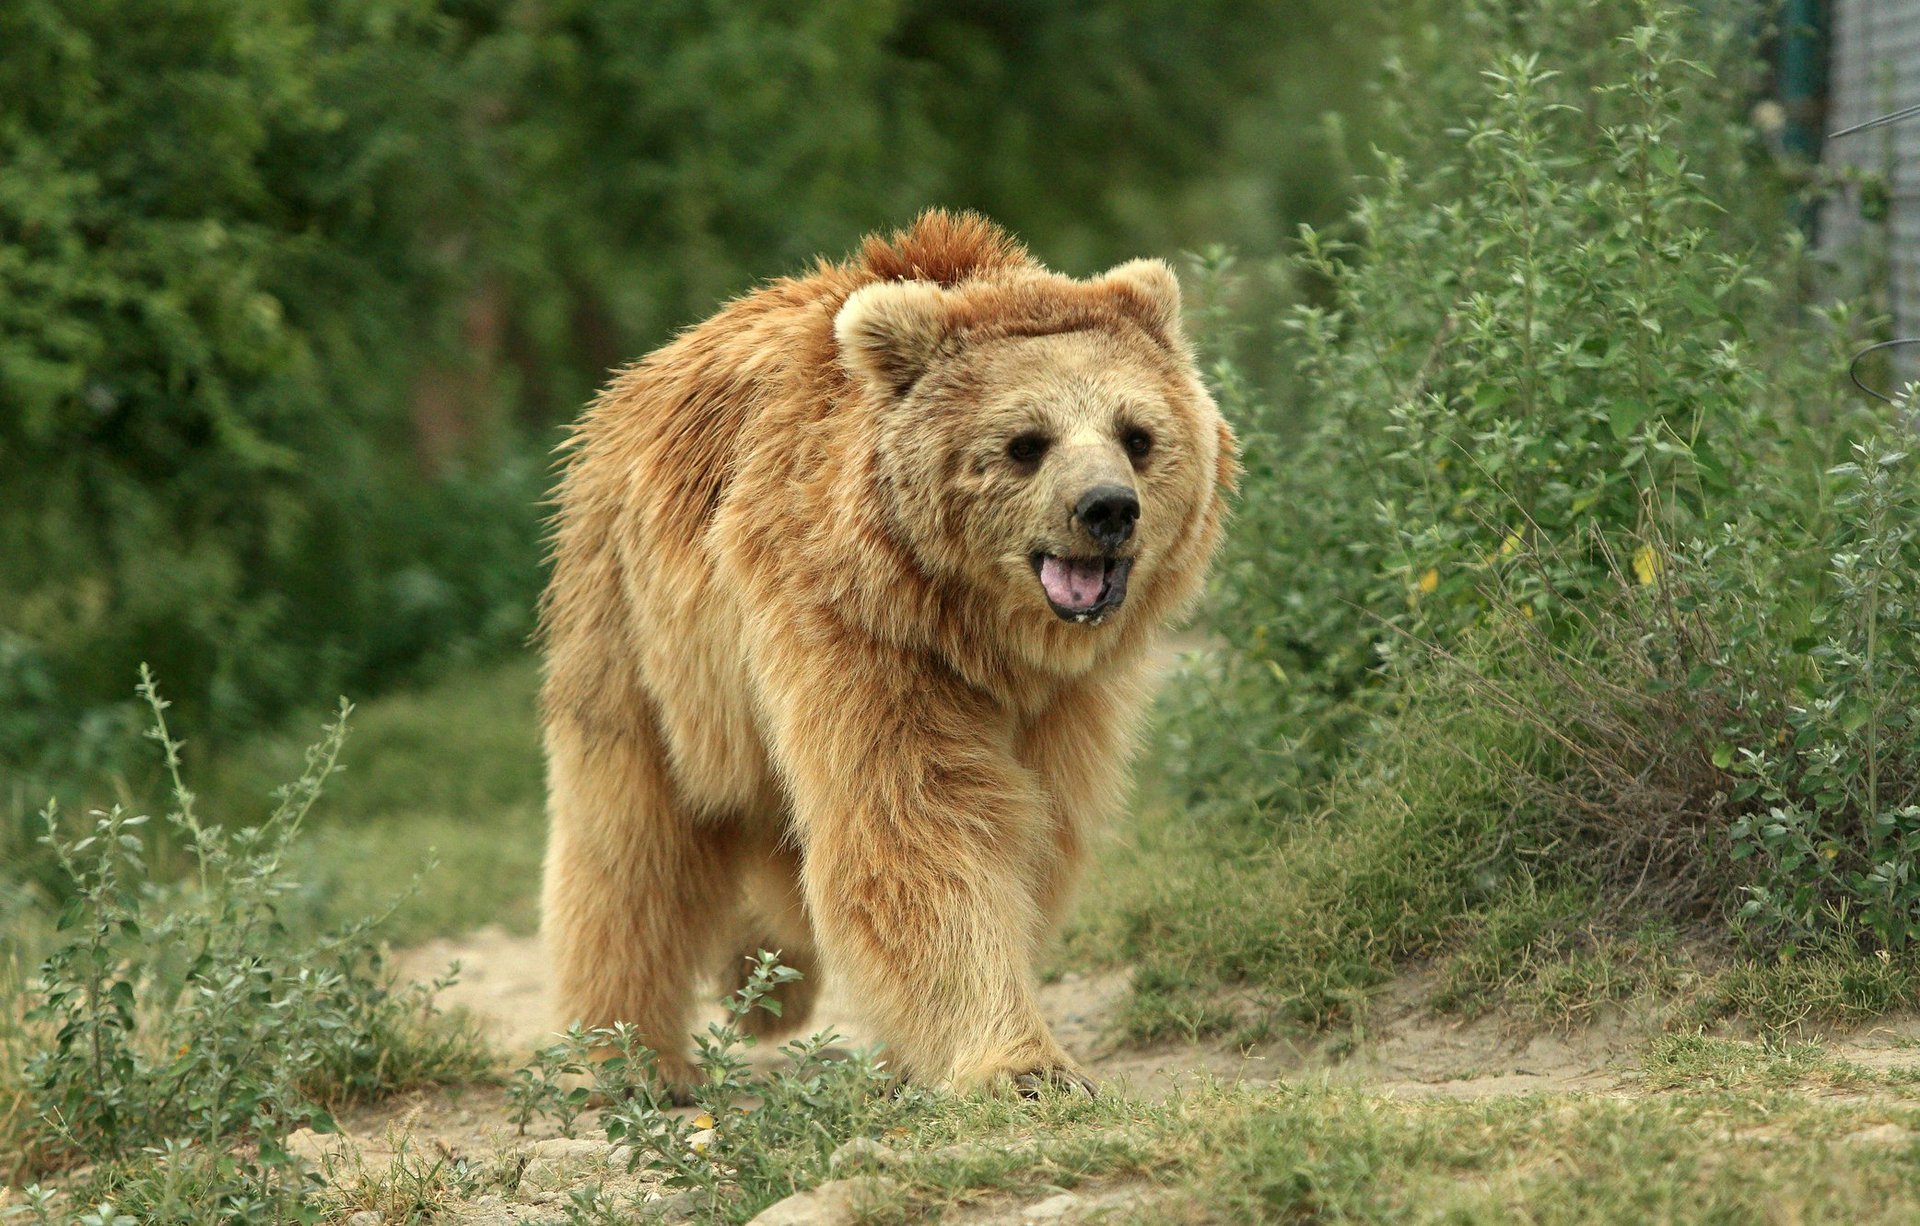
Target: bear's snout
x=1107 y=512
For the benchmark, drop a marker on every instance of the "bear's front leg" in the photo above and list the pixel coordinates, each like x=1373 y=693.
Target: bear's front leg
x=930 y=924
x=918 y=833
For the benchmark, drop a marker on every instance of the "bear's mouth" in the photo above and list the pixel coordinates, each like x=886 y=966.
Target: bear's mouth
x=1082 y=590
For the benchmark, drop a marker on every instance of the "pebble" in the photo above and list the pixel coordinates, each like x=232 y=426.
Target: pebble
x=557 y=1158
x=1052 y=1209
x=1881 y=1134
x=862 y=1153
x=314 y=1148
x=835 y=1203
x=680 y=1207
x=570 y=1149
x=366 y=1217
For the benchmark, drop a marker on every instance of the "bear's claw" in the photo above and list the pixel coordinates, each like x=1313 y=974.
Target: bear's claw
x=1032 y=1084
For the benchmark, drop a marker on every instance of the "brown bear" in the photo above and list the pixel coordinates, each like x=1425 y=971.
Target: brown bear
x=847 y=638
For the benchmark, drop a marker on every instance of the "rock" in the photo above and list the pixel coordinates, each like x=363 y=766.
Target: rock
x=366 y=1217
x=975 y=1151
x=834 y=1203
x=1130 y=1202
x=571 y=1149
x=1052 y=1209
x=862 y=1154
x=700 y=1141
x=680 y=1207
x=560 y=1159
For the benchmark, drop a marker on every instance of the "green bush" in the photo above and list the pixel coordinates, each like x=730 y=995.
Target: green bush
x=756 y=1138
x=1537 y=321
x=1557 y=485
x=220 y=290
x=176 y=1033
x=1822 y=734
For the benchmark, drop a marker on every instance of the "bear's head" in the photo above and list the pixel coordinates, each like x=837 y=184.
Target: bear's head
x=1045 y=441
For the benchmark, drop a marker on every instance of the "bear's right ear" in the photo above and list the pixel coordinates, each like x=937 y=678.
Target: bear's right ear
x=888 y=332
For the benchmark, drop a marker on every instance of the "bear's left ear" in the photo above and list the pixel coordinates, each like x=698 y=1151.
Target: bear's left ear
x=1149 y=291
x=888 y=332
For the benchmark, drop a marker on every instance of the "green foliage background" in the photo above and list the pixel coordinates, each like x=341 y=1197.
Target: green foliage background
x=294 y=294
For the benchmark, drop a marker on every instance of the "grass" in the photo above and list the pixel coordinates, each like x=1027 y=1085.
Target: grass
x=1295 y=917
x=179 y=1026
x=1318 y=1154
x=1422 y=854
x=411 y=1186
x=448 y=778
x=16 y=1043
x=1698 y=1061
x=449 y=775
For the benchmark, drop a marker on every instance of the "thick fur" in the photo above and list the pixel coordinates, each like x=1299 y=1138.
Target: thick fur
x=804 y=690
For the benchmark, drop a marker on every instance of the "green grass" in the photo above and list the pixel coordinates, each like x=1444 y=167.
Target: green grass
x=1421 y=853
x=1714 y=1132
x=440 y=804
x=1314 y=1154
x=1293 y=918
x=1698 y=1061
x=449 y=775
x=178 y=1025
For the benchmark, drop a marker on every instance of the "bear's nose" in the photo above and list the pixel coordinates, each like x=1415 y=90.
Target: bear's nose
x=1107 y=513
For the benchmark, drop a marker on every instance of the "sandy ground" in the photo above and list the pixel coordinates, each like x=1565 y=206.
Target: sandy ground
x=1405 y=1049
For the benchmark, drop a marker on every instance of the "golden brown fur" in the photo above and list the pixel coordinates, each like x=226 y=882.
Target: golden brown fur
x=804 y=690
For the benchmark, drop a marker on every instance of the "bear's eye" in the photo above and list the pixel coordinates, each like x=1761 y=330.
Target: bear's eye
x=1138 y=442
x=1027 y=448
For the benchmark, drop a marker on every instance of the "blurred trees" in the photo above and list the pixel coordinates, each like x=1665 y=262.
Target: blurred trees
x=292 y=292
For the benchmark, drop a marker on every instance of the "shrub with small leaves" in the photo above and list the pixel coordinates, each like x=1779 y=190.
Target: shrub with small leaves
x=1566 y=445
x=1832 y=769
x=1543 y=321
x=187 y=1029
x=750 y=1139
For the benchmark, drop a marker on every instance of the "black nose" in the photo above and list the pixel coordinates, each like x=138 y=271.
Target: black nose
x=1107 y=513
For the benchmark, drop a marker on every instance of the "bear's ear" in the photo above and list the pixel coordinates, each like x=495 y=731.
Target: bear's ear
x=888 y=332
x=1150 y=292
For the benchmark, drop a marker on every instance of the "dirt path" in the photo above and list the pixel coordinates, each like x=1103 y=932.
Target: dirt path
x=1406 y=1049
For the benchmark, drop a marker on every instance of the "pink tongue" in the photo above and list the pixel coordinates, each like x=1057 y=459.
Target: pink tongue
x=1073 y=583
